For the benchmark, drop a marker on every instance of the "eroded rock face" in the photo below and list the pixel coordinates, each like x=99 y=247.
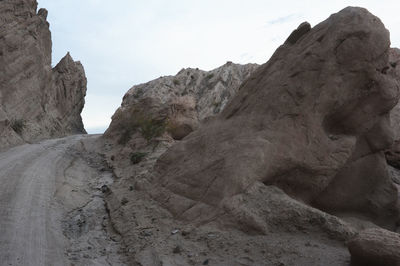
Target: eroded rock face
x=182 y=100
x=69 y=85
x=393 y=154
x=375 y=247
x=44 y=102
x=313 y=121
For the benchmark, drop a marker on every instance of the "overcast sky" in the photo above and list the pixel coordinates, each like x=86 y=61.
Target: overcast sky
x=126 y=42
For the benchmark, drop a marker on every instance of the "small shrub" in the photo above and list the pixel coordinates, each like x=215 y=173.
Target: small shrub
x=150 y=128
x=137 y=157
x=135 y=121
x=210 y=76
x=176 y=82
x=18 y=125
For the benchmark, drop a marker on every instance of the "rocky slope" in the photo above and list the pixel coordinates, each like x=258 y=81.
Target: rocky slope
x=36 y=101
x=291 y=168
x=181 y=101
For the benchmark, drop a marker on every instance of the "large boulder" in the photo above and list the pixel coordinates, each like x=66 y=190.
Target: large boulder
x=313 y=120
x=375 y=247
x=38 y=101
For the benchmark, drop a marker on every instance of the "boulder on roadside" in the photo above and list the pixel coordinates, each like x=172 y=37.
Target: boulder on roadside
x=373 y=247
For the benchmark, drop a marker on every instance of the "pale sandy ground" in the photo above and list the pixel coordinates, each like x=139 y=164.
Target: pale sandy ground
x=52 y=208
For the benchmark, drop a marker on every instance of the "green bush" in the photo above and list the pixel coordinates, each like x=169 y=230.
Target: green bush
x=176 y=82
x=18 y=125
x=137 y=157
x=150 y=128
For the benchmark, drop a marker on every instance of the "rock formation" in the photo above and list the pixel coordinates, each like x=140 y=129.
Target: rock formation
x=182 y=100
x=210 y=89
x=295 y=155
x=313 y=121
x=36 y=101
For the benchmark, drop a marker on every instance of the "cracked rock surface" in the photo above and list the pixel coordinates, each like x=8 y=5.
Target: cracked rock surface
x=52 y=205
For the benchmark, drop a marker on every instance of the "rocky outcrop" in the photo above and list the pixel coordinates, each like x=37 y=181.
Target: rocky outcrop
x=375 y=247
x=68 y=94
x=182 y=100
x=312 y=121
x=36 y=101
x=210 y=89
x=297 y=151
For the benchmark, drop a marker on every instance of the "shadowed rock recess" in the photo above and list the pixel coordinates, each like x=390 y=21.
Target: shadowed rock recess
x=36 y=101
x=313 y=121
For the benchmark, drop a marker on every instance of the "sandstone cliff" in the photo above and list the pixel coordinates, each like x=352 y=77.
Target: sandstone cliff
x=36 y=101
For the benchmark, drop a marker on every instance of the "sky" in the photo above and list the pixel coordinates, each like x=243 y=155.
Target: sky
x=127 y=42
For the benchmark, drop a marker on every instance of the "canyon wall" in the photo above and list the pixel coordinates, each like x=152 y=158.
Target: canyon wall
x=36 y=100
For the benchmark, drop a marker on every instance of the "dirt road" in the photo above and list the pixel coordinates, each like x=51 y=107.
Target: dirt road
x=51 y=208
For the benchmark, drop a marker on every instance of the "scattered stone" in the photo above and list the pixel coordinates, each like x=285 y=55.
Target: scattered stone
x=124 y=201
x=177 y=250
x=375 y=247
x=147 y=233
